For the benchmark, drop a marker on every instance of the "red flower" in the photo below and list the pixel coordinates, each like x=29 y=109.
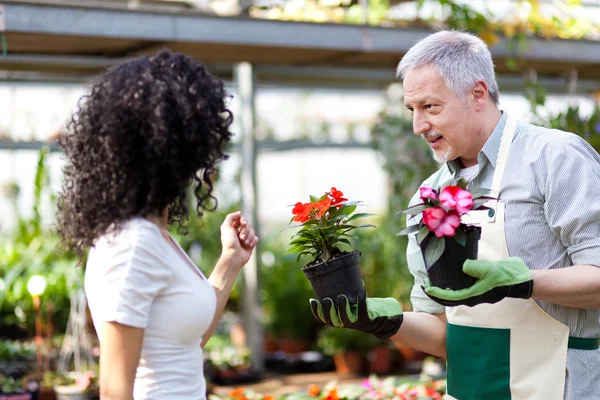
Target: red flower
x=302 y=211
x=455 y=198
x=322 y=206
x=337 y=196
x=314 y=390
x=239 y=392
x=441 y=222
x=332 y=395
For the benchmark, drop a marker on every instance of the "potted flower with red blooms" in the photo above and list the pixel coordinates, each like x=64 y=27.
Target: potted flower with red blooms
x=445 y=240
x=325 y=224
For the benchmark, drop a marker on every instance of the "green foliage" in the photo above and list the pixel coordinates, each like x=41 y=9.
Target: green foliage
x=569 y=120
x=35 y=249
x=284 y=288
x=407 y=160
x=338 y=340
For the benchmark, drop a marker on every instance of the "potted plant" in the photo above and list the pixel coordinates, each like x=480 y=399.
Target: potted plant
x=445 y=241
x=12 y=388
x=347 y=347
x=76 y=386
x=325 y=223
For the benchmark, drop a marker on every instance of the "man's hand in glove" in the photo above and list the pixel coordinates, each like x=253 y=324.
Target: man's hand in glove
x=380 y=316
x=495 y=281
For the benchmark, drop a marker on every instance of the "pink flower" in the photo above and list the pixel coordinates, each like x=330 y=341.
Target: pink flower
x=455 y=198
x=427 y=193
x=367 y=384
x=84 y=380
x=441 y=222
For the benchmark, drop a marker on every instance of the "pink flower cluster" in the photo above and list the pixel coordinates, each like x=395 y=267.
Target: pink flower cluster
x=444 y=220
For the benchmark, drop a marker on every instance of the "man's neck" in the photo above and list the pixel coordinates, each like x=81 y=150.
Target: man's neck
x=490 y=121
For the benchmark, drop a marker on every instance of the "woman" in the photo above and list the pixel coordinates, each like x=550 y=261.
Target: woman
x=147 y=131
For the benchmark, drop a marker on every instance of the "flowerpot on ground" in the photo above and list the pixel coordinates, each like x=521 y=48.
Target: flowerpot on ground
x=410 y=354
x=379 y=360
x=339 y=275
x=293 y=346
x=47 y=394
x=349 y=363
x=270 y=344
x=70 y=392
x=447 y=271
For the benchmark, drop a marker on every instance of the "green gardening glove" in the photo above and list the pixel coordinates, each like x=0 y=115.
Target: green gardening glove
x=380 y=316
x=495 y=281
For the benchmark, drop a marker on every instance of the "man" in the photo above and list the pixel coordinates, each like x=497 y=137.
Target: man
x=529 y=327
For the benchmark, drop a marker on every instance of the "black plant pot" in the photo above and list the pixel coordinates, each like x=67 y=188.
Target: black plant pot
x=447 y=271
x=340 y=275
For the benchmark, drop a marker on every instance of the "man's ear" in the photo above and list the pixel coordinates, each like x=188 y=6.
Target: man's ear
x=480 y=95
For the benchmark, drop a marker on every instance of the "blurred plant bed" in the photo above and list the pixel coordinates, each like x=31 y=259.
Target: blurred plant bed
x=298 y=363
x=18 y=388
x=73 y=385
x=16 y=357
x=226 y=364
x=391 y=388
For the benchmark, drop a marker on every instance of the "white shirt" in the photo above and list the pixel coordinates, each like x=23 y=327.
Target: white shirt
x=136 y=278
x=469 y=173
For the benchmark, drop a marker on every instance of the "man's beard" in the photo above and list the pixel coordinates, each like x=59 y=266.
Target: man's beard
x=443 y=159
x=440 y=159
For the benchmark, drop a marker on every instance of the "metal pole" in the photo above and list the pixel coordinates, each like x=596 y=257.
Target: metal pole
x=244 y=77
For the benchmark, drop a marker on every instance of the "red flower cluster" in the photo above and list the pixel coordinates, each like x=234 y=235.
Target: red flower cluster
x=305 y=211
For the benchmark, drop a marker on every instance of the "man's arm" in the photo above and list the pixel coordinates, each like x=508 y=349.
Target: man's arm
x=577 y=286
x=424 y=332
x=572 y=210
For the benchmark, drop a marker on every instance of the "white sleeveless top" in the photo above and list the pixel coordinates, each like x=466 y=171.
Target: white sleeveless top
x=135 y=278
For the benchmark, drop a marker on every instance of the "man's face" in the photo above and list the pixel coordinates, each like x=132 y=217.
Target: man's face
x=444 y=120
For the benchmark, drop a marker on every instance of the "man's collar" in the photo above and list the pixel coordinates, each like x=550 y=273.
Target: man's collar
x=490 y=149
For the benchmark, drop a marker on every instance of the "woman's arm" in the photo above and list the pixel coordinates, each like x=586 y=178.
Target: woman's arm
x=238 y=240
x=119 y=357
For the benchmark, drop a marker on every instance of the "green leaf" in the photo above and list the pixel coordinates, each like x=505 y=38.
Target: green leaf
x=460 y=237
x=414 y=210
x=353 y=203
x=477 y=204
x=422 y=234
x=360 y=215
x=365 y=226
x=301 y=240
x=462 y=183
x=345 y=241
x=435 y=249
x=408 y=230
x=313 y=199
x=347 y=209
x=312 y=221
x=478 y=192
x=295 y=249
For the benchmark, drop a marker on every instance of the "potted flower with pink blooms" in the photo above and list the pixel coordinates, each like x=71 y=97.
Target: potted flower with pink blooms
x=445 y=240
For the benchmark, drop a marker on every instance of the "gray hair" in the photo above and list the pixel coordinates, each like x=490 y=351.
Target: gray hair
x=461 y=59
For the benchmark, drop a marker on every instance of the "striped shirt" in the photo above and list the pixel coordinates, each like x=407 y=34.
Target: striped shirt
x=551 y=188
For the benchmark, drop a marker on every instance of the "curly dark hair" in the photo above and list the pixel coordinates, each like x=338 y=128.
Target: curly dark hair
x=147 y=130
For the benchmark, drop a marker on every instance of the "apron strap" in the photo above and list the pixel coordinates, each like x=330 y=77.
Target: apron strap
x=584 y=343
x=507 y=137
